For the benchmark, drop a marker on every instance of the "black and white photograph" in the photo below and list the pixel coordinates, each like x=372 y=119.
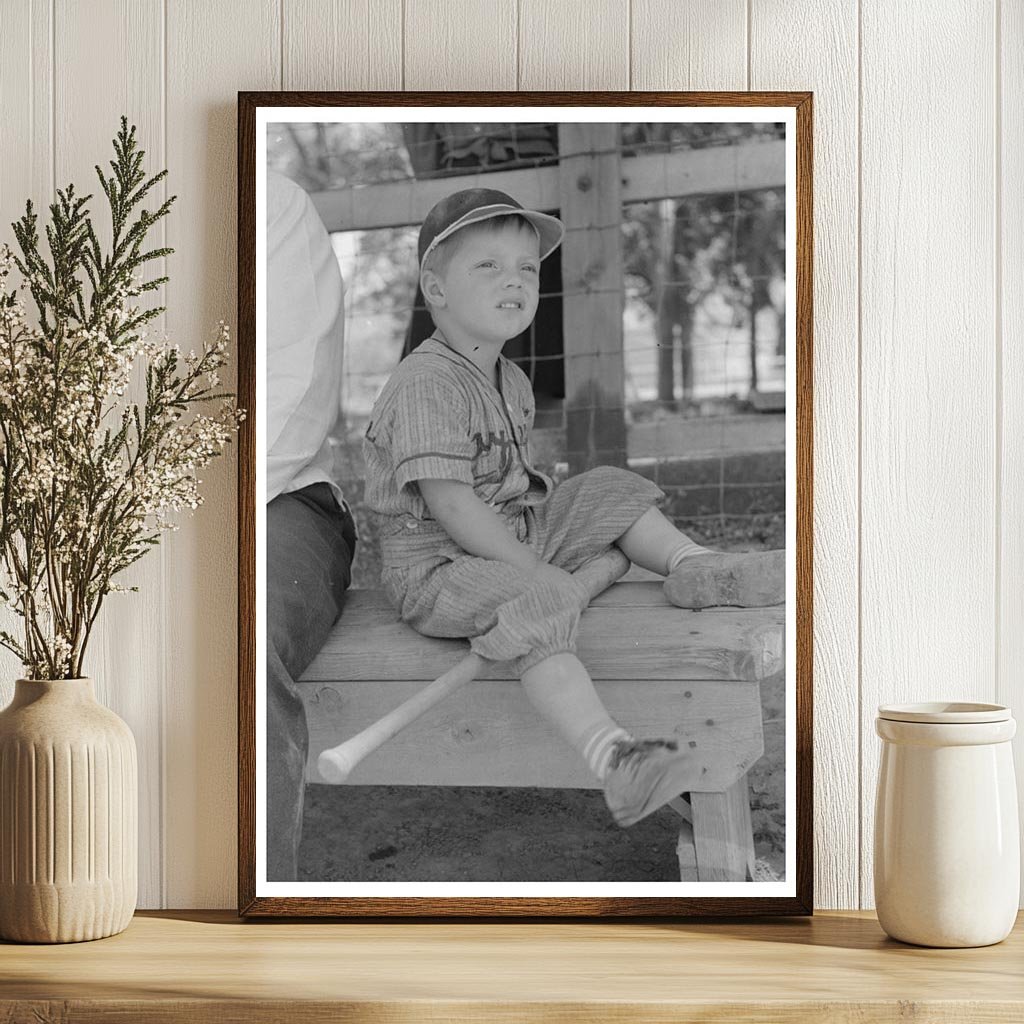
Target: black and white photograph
x=525 y=485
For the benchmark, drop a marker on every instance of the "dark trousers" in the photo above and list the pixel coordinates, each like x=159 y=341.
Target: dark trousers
x=310 y=545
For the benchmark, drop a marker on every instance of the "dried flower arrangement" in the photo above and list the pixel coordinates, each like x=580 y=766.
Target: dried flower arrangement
x=88 y=477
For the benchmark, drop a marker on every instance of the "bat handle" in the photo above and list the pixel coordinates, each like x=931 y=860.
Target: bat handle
x=337 y=763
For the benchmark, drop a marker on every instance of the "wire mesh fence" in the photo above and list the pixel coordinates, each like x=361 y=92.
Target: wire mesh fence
x=687 y=248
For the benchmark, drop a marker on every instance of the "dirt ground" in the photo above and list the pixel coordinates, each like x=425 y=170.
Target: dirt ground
x=477 y=834
x=404 y=833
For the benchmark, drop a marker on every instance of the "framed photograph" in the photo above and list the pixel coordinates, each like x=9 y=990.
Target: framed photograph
x=525 y=504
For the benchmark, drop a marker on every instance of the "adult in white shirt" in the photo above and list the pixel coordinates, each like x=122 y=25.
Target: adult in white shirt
x=310 y=533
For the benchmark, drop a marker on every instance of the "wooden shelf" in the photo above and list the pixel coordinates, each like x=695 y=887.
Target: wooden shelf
x=200 y=966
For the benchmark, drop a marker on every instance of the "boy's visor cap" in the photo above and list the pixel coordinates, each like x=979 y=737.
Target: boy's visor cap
x=472 y=205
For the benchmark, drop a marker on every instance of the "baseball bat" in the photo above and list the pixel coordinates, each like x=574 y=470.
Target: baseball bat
x=337 y=763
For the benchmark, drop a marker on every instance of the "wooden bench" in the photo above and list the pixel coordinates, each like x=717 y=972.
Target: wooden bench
x=660 y=671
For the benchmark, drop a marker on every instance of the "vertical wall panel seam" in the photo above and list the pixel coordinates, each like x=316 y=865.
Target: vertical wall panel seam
x=280 y=42
x=403 y=45
x=860 y=456
x=162 y=695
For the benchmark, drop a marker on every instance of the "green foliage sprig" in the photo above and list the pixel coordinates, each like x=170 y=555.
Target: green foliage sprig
x=88 y=477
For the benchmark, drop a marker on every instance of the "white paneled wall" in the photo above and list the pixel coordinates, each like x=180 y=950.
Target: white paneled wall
x=919 y=324
x=130 y=672
x=1008 y=500
x=928 y=518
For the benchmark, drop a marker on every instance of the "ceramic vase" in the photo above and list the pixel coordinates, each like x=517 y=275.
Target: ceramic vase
x=947 y=847
x=68 y=815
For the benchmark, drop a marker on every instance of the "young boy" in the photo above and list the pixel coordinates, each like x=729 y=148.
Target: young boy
x=478 y=543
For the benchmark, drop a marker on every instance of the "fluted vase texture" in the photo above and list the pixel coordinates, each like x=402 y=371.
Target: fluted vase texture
x=68 y=815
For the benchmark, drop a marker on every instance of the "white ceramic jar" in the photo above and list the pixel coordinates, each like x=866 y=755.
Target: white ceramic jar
x=947 y=847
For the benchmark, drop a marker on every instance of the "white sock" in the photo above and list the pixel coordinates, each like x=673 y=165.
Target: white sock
x=685 y=550
x=561 y=689
x=597 y=749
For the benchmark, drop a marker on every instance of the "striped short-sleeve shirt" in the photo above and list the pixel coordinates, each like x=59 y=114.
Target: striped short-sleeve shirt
x=439 y=417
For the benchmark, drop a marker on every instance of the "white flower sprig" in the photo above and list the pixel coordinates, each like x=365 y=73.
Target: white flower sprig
x=89 y=479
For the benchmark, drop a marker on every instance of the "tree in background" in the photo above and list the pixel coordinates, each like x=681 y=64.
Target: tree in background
x=678 y=251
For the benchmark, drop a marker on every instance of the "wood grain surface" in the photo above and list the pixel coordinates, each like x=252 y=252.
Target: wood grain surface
x=207 y=967
x=470 y=44
x=490 y=735
x=574 y=44
x=590 y=206
x=701 y=44
x=831 y=72
x=357 y=42
x=620 y=641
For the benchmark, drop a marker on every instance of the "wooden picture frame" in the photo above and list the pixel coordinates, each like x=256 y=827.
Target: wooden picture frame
x=590 y=436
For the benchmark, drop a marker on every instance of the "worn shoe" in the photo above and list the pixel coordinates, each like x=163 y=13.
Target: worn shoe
x=644 y=775
x=749 y=579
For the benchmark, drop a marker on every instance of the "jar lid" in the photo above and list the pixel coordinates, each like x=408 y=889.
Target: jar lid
x=945 y=713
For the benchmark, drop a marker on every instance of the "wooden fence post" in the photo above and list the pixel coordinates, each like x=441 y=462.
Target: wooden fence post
x=590 y=192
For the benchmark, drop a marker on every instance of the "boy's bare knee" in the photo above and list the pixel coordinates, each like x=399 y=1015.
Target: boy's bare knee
x=554 y=668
